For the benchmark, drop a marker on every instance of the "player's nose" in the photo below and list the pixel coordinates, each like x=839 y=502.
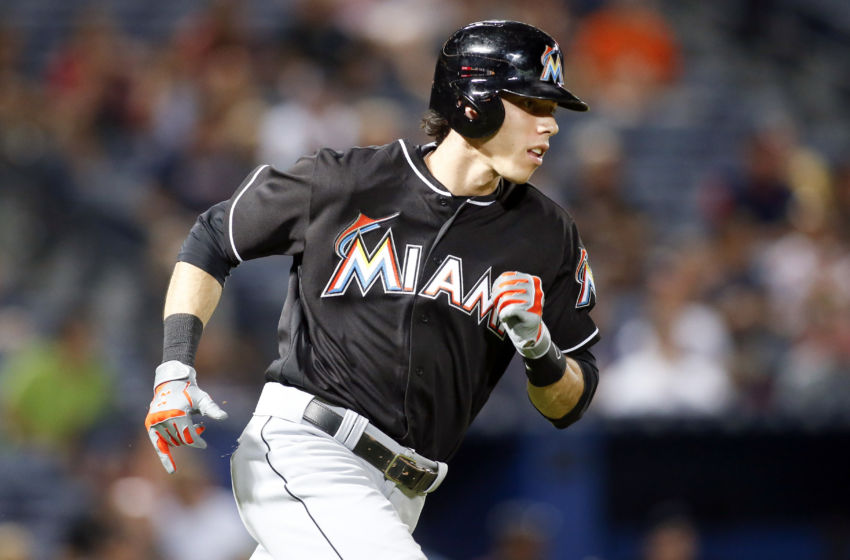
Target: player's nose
x=548 y=125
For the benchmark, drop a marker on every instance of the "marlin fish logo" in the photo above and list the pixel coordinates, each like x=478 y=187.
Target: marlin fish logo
x=552 y=70
x=584 y=276
x=364 y=267
x=360 y=225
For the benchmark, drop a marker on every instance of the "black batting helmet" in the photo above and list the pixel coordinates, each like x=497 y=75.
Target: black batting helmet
x=482 y=59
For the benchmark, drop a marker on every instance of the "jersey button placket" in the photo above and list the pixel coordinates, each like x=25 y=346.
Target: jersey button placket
x=419 y=370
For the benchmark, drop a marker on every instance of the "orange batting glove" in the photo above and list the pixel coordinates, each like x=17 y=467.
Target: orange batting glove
x=169 y=421
x=518 y=299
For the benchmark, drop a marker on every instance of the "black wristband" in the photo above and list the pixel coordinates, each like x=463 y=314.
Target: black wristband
x=546 y=369
x=182 y=334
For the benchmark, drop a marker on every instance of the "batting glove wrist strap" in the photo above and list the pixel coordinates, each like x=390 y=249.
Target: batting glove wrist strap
x=173 y=370
x=546 y=369
x=536 y=348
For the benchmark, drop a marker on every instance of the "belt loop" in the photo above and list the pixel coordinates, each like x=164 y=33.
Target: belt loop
x=282 y=401
x=442 y=471
x=351 y=429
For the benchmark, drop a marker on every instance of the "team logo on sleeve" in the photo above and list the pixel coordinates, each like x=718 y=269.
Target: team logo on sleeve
x=584 y=276
x=552 y=69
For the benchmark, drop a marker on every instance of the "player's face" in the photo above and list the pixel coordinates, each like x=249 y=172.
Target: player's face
x=517 y=149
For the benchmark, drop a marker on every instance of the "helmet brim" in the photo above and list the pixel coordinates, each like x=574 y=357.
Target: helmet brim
x=545 y=90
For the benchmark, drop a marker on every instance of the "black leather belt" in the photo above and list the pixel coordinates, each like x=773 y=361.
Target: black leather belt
x=396 y=467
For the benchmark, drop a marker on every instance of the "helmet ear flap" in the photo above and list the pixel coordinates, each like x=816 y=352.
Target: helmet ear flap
x=490 y=114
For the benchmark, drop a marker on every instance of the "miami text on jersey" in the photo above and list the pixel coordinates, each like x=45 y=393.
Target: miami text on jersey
x=358 y=265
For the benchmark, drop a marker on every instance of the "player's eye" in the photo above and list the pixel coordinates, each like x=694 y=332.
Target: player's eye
x=539 y=107
x=536 y=107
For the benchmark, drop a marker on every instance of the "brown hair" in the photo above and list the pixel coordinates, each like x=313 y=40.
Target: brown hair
x=435 y=125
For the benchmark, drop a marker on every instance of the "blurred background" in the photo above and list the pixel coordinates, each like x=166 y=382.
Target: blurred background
x=710 y=181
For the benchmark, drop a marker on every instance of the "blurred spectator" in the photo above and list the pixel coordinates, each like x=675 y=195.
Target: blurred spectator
x=383 y=118
x=55 y=390
x=170 y=83
x=315 y=32
x=16 y=331
x=758 y=347
x=16 y=542
x=758 y=190
x=672 y=358
x=222 y=148
x=91 y=88
x=735 y=287
x=806 y=255
x=34 y=191
x=672 y=535
x=403 y=37
x=311 y=115
x=220 y=25
x=190 y=504
x=616 y=234
x=623 y=57
x=814 y=380
x=99 y=536
x=522 y=530
x=806 y=273
x=842 y=200
x=38 y=493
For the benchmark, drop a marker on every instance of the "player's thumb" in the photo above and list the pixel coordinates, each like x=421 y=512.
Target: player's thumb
x=208 y=407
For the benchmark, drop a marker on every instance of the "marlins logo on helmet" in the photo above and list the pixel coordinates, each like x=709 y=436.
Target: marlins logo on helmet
x=552 y=70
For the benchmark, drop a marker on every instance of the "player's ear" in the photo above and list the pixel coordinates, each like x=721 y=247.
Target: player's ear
x=470 y=113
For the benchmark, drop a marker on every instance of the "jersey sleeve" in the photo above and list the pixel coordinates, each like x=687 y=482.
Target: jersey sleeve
x=570 y=298
x=268 y=214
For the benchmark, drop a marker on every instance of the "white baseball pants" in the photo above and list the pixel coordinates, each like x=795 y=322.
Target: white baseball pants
x=302 y=494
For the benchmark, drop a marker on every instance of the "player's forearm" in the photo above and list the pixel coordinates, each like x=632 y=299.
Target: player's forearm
x=559 y=398
x=192 y=291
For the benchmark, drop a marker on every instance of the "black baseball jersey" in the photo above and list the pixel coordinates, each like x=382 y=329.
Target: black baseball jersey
x=389 y=310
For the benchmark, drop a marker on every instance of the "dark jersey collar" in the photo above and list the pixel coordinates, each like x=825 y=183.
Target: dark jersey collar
x=415 y=156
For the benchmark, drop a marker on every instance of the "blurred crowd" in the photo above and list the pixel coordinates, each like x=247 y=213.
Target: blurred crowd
x=714 y=203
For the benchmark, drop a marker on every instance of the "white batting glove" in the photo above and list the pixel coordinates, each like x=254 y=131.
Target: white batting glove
x=169 y=421
x=518 y=298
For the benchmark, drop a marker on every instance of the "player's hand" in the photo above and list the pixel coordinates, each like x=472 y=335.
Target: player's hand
x=169 y=421
x=518 y=298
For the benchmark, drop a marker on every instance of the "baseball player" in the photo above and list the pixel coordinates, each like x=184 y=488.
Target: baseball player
x=418 y=271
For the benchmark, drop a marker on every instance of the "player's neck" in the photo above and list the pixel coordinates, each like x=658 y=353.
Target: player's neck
x=460 y=168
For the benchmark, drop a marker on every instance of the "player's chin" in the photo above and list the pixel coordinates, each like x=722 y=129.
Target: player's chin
x=520 y=176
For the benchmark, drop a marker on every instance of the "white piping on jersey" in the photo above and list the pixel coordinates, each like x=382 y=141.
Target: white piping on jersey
x=430 y=185
x=233 y=206
x=582 y=343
